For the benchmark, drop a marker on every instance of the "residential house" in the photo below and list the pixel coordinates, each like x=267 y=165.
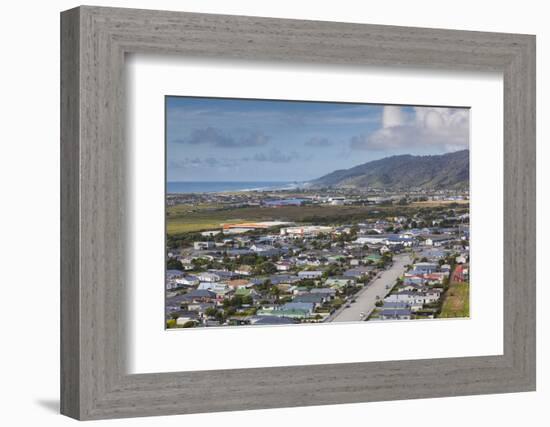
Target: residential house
x=395 y=314
x=340 y=282
x=358 y=272
x=187 y=263
x=435 y=278
x=188 y=280
x=410 y=287
x=413 y=279
x=283 y=265
x=199 y=295
x=174 y=274
x=434 y=254
x=395 y=305
x=426 y=267
x=272 y=320
x=244 y=270
x=384 y=249
x=208 y=276
x=238 y=283
x=277 y=279
x=174 y=303
x=200 y=307
x=292 y=313
x=236 y=253
x=438 y=240
x=445 y=268
x=310 y=274
x=199 y=246
x=180 y=321
x=265 y=250
x=329 y=292
x=316 y=299
x=212 y=286
x=410 y=297
x=461 y=259
x=305 y=306
x=210 y=233
x=216 y=275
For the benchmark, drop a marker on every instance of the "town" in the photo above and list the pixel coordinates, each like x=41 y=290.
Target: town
x=294 y=256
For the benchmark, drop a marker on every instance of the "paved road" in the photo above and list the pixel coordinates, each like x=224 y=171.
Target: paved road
x=366 y=298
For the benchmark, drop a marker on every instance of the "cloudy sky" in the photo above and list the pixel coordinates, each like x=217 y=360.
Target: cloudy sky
x=212 y=139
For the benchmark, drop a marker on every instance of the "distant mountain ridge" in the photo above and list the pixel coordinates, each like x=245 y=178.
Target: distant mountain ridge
x=445 y=171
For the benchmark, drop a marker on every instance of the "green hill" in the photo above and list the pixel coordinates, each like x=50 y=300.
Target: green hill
x=445 y=171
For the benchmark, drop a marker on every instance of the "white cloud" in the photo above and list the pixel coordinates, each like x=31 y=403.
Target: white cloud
x=444 y=129
x=392 y=116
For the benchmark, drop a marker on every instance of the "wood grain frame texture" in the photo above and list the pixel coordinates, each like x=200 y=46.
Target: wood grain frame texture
x=94 y=42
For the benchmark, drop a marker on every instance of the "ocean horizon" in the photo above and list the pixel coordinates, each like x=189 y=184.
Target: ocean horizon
x=225 y=186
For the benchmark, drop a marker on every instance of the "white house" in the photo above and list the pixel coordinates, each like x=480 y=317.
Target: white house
x=283 y=266
x=437 y=241
x=207 y=276
x=461 y=259
x=310 y=274
x=210 y=233
x=412 y=297
x=212 y=286
x=203 y=245
x=188 y=280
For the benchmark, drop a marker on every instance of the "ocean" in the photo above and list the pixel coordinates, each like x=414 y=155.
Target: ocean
x=221 y=186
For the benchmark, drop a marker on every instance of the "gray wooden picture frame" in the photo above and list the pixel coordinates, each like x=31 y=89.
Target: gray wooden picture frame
x=94 y=41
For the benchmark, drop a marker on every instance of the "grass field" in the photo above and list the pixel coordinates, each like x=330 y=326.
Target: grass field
x=174 y=226
x=431 y=203
x=457 y=301
x=187 y=218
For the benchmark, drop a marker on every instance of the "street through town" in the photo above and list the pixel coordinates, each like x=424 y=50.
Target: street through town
x=365 y=300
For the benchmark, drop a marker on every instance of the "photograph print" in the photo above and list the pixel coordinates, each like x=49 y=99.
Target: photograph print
x=284 y=212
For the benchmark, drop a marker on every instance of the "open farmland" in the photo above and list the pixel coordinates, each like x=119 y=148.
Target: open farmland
x=189 y=218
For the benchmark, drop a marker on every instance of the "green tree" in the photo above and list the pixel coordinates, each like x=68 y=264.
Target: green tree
x=276 y=292
x=211 y=312
x=174 y=264
x=266 y=267
x=189 y=324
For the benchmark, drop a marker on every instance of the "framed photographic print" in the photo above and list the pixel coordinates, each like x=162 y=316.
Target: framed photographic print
x=336 y=241
x=282 y=213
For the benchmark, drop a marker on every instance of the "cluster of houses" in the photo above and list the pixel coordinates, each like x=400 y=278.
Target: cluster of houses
x=299 y=197
x=216 y=297
x=285 y=273
x=418 y=294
